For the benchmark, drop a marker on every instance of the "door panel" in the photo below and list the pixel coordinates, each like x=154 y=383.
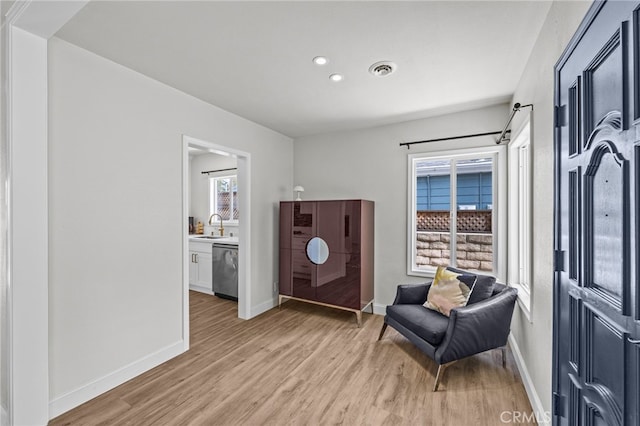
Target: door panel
x=304 y=224
x=286 y=273
x=596 y=292
x=339 y=225
x=286 y=224
x=605 y=353
x=331 y=225
x=575 y=224
x=339 y=281
x=302 y=269
x=603 y=85
x=303 y=273
x=606 y=216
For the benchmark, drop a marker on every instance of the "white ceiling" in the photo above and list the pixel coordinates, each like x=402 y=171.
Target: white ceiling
x=254 y=58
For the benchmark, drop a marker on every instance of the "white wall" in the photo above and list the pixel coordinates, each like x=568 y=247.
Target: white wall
x=115 y=214
x=370 y=164
x=199 y=192
x=534 y=339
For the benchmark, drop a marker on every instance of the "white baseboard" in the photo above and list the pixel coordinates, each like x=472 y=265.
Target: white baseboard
x=534 y=398
x=263 y=307
x=99 y=386
x=199 y=289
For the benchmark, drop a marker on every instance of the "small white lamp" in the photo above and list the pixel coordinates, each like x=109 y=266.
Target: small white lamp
x=298 y=189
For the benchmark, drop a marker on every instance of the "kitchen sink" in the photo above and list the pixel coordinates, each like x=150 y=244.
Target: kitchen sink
x=210 y=237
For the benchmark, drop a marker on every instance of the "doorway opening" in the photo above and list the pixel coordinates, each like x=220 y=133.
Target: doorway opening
x=241 y=228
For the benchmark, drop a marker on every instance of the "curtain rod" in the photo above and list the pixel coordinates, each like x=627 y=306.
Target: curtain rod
x=220 y=170
x=516 y=107
x=408 y=144
x=502 y=133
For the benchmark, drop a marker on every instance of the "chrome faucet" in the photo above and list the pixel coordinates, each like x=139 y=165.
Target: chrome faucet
x=221 y=229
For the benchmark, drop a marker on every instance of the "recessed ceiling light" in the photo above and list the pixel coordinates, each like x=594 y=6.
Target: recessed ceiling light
x=336 y=77
x=382 y=68
x=320 y=60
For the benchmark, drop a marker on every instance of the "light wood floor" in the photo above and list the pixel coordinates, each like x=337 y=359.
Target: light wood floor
x=304 y=364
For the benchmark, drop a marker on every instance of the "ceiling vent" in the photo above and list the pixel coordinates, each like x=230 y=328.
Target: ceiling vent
x=382 y=68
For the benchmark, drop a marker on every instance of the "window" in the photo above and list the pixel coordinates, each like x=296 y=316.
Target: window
x=223 y=197
x=520 y=216
x=452 y=220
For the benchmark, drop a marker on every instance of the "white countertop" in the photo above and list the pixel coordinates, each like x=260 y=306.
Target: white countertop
x=201 y=238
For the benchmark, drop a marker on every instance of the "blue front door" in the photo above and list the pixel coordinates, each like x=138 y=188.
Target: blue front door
x=596 y=291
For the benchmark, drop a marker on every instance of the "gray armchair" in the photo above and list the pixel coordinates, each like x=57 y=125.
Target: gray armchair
x=480 y=326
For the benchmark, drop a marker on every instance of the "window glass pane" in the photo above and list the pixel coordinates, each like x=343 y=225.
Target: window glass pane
x=474 y=231
x=433 y=203
x=223 y=198
x=523 y=216
x=234 y=194
x=433 y=185
x=454 y=207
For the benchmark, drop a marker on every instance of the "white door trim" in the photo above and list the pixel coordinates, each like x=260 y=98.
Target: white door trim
x=28 y=26
x=244 y=240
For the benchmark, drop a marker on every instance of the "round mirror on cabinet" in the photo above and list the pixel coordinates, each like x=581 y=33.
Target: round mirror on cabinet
x=317 y=250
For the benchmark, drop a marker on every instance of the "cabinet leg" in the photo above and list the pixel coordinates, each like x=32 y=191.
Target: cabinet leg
x=359 y=318
x=279 y=301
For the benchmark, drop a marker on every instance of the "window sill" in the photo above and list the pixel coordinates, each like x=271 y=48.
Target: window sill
x=421 y=273
x=524 y=300
x=432 y=273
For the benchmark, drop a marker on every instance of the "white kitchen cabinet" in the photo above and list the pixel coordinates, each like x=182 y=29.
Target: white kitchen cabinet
x=200 y=266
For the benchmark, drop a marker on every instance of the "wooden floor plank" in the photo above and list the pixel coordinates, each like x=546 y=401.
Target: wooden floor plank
x=304 y=364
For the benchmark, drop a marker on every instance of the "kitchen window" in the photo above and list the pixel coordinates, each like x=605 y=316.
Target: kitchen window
x=223 y=198
x=456 y=211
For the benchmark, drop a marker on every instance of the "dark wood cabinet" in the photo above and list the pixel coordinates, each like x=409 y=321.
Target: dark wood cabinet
x=326 y=253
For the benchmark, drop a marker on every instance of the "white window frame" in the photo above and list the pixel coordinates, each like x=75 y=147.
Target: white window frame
x=520 y=216
x=213 y=199
x=499 y=204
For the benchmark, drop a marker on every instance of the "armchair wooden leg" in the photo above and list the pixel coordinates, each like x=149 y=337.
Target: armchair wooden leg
x=504 y=356
x=440 y=373
x=441 y=369
x=384 y=328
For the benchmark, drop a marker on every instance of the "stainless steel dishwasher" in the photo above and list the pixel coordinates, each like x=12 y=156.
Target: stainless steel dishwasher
x=225 y=270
